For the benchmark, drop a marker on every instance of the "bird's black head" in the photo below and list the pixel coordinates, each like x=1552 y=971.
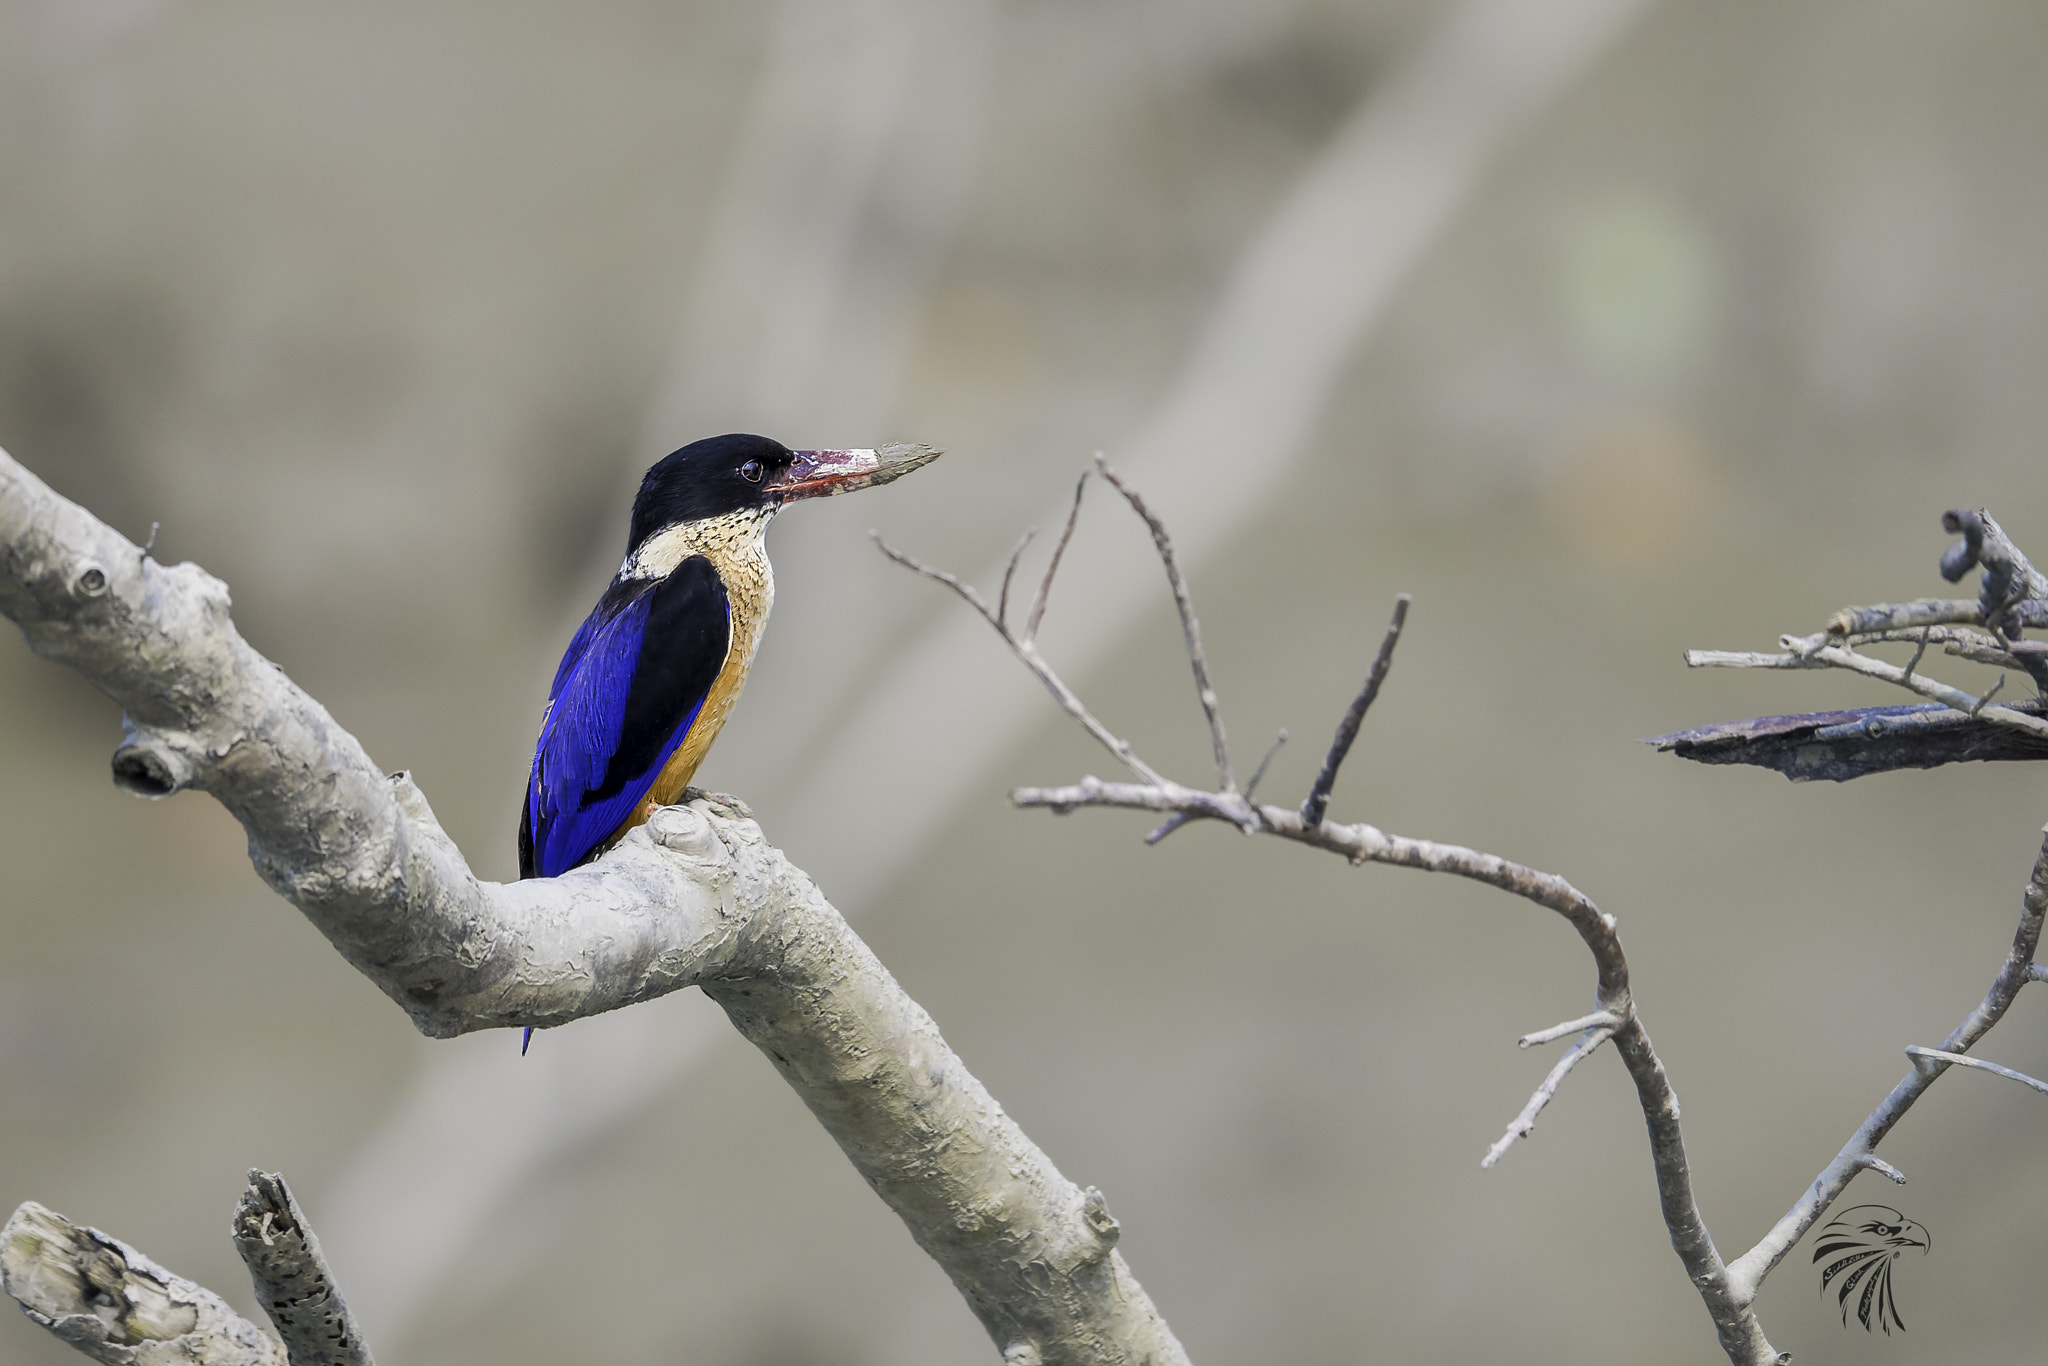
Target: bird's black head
x=722 y=475
x=708 y=478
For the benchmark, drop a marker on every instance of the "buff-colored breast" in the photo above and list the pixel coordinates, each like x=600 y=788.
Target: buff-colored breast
x=735 y=546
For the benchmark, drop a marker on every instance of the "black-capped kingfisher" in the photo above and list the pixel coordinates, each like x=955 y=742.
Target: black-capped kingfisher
x=654 y=670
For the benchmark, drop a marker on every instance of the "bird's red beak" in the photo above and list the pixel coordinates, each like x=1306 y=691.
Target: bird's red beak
x=819 y=474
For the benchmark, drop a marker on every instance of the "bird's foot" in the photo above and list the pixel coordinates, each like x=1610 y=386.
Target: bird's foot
x=725 y=801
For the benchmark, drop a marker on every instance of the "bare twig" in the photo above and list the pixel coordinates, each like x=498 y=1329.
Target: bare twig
x=1919 y=650
x=966 y=591
x=1052 y=566
x=1167 y=827
x=1960 y=642
x=1026 y=650
x=1599 y=1019
x=1524 y=1123
x=1746 y=1273
x=1985 y=700
x=1840 y=657
x=292 y=1281
x=1180 y=818
x=1260 y=772
x=1318 y=801
x=1873 y=1163
x=1742 y=1337
x=1191 y=630
x=1010 y=572
x=1929 y=1057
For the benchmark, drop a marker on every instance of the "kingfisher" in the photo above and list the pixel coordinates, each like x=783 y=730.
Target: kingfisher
x=652 y=674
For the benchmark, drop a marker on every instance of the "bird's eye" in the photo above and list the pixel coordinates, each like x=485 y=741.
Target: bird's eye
x=751 y=471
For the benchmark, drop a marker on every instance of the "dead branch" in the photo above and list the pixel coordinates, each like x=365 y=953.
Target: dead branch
x=1191 y=630
x=1354 y=716
x=117 y=1306
x=1741 y=1336
x=291 y=1278
x=1859 y=1153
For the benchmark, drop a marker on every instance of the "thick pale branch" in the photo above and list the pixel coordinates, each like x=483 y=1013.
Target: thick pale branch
x=116 y=1305
x=693 y=897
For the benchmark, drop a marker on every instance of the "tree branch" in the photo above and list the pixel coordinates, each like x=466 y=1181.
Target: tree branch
x=1318 y=801
x=1025 y=646
x=694 y=897
x=1191 y=630
x=1747 y=1272
x=1741 y=1336
x=1525 y=1123
x=116 y=1305
x=2008 y=578
x=291 y=1278
x=1935 y=1059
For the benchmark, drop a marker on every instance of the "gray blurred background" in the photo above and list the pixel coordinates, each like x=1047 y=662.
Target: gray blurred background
x=1606 y=328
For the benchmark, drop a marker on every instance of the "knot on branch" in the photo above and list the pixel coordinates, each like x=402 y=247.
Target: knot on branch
x=686 y=831
x=149 y=765
x=1095 y=1213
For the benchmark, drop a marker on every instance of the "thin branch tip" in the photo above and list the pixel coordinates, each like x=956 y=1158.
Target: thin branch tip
x=1317 y=804
x=1010 y=572
x=1191 y=629
x=1524 y=1123
x=1052 y=566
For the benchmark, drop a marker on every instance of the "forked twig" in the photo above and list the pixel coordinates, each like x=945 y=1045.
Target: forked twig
x=1599 y=1019
x=1191 y=629
x=1252 y=787
x=1053 y=565
x=1736 y=1323
x=1524 y=1123
x=1180 y=818
x=1318 y=801
x=1929 y=1056
x=1842 y=657
x=1010 y=572
x=1026 y=649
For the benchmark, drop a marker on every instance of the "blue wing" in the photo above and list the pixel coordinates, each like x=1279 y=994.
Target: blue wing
x=628 y=690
